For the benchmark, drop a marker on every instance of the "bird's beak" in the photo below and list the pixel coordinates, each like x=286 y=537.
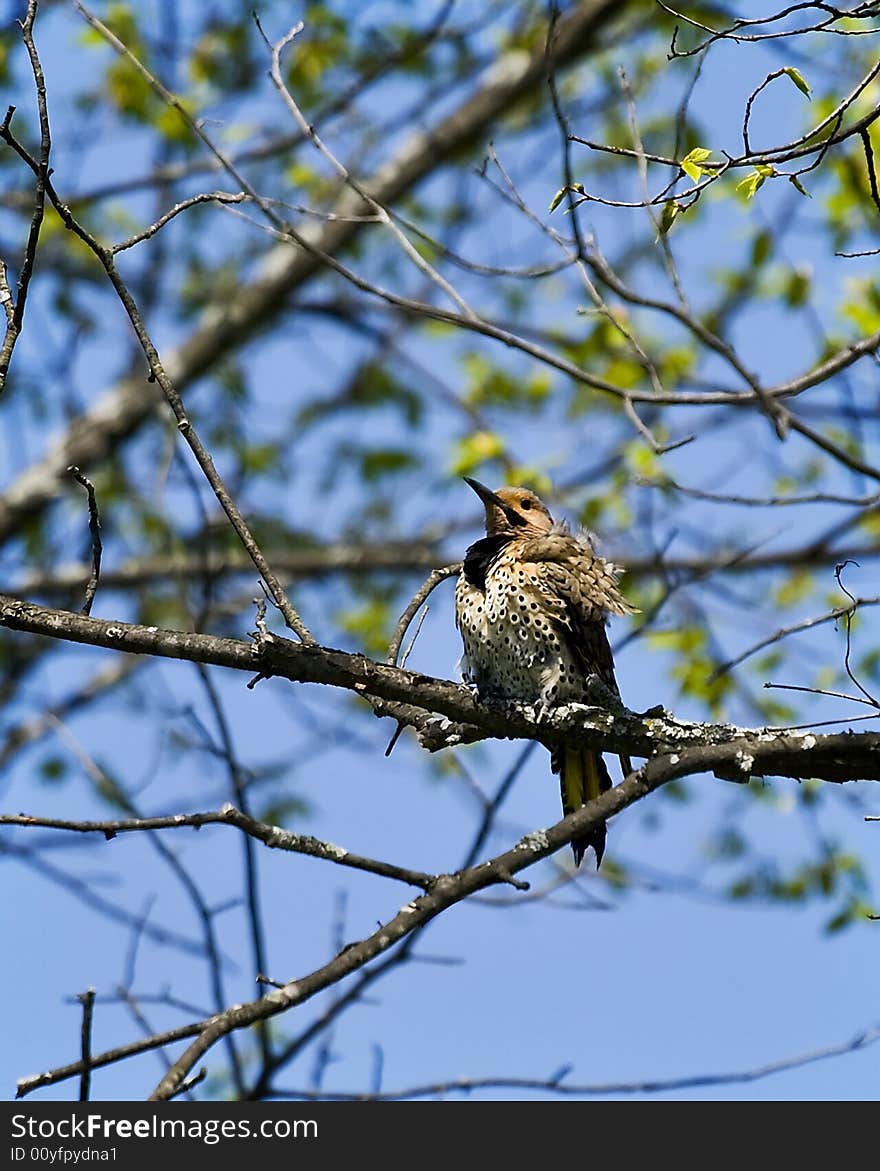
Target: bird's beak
x=485 y=494
x=488 y=497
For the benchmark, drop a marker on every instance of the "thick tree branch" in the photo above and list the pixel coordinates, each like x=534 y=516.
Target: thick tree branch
x=725 y=749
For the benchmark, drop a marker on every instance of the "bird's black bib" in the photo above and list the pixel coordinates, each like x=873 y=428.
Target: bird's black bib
x=479 y=557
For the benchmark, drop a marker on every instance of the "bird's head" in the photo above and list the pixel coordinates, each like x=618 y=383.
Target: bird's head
x=516 y=512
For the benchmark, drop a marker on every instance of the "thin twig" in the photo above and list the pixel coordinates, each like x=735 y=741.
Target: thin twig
x=421 y=595
x=239 y=794
x=15 y=313
x=848 y=618
x=272 y=836
x=87 y=1000
x=348 y=179
x=750 y=101
x=139 y=1017
x=866 y=252
x=869 y=160
x=732 y=33
x=184 y=423
x=412 y=642
x=95 y=532
x=785 y=631
x=821 y=691
x=562 y=1088
x=564 y=130
x=193 y=201
x=759 y=501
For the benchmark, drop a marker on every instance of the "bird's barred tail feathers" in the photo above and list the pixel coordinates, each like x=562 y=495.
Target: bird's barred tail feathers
x=582 y=776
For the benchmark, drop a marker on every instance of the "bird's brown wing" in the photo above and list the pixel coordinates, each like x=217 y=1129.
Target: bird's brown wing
x=578 y=590
x=581 y=604
x=584 y=580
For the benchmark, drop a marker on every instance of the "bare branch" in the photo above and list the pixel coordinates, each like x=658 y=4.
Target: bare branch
x=449 y=712
x=362 y=193
x=848 y=619
x=169 y=173
x=444 y=893
x=795 y=628
x=344 y=557
x=184 y=205
x=272 y=836
x=95 y=531
x=419 y=597
x=447 y=892
x=87 y=1000
x=15 y=312
x=869 y=160
x=761 y=501
x=770 y=157
x=564 y=1089
x=733 y=31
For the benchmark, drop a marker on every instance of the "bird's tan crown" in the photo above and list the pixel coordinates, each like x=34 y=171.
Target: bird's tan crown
x=534 y=516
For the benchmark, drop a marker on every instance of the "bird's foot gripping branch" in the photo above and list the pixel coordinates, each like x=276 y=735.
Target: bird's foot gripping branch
x=445 y=714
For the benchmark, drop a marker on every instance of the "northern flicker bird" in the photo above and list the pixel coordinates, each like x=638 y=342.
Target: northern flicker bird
x=531 y=604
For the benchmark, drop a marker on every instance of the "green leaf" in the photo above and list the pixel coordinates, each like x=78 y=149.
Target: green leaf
x=691 y=163
x=799 y=80
x=798 y=186
x=537 y=480
x=260 y=458
x=743 y=888
x=754 y=180
x=578 y=188
x=668 y=216
x=641 y=460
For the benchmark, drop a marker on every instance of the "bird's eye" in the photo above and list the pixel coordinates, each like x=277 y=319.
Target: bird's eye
x=525 y=503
